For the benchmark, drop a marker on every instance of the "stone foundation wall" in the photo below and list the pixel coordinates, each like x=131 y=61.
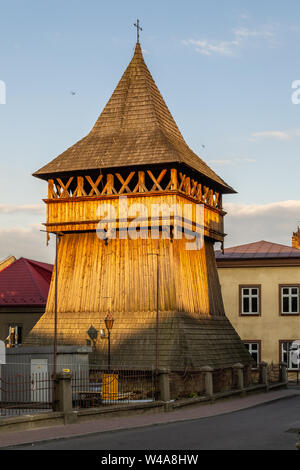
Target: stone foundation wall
x=186 y=385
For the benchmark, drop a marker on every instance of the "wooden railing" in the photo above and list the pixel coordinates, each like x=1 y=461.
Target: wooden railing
x=136 y=182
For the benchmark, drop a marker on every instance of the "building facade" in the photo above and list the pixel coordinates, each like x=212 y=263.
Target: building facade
x=260 y=284
x=24 y=286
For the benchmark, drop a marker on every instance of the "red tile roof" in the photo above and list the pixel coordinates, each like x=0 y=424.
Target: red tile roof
x=25 y=283
x=258 y=250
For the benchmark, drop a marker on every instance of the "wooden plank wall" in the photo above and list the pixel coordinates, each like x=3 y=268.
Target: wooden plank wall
x=121 y=276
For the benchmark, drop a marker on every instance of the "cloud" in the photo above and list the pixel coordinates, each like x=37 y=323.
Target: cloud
x=28 y=242
x=274 y=222
x=208 y=48
x=277 y=135
x=247 y=33
x=232 y=161
x=13 y=209
x=228 y=48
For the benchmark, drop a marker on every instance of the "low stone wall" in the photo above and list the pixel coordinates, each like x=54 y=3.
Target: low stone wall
x=21 y=423
x=186 y=385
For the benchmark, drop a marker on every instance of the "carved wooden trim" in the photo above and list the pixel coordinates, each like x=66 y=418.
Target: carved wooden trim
x=144 y=182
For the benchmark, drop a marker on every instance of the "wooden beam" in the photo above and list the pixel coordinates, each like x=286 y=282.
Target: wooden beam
x=79 y=191
x=158 y=180
x=109 y=187
x=95 y=185
x=125 y=183
x=64 y=187
x=141 y=187
x=51 y=192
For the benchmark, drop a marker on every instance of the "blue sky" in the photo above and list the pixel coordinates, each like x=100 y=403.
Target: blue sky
x=225 y=70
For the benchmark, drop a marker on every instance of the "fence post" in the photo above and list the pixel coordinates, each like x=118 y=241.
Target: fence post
x=64 y=396
x=209 y=387
x=263 y=366
x=284 y=376
x=239 y=368
x=247 y=375
x=164 y=385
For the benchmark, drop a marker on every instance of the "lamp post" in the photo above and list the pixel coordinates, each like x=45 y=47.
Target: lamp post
x=109 y=323
x=58 y=236
x=157 y=312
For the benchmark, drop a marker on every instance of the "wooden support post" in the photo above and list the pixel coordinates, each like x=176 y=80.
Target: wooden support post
x=187 y=186
x=79 y=192
x=109 y=187
x=140 y=187
x=205 y=194
x=199 y=192
x=174 y=180
x=51 y=192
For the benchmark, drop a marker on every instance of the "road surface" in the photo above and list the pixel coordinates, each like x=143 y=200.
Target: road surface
x=265 y=427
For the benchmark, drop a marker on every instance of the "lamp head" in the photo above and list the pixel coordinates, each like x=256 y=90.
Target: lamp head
x=109 y=321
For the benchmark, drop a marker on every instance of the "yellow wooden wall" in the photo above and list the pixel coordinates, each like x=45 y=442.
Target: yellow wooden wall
x=122 y=276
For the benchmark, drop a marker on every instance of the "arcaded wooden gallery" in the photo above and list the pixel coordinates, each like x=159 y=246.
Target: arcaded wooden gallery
x=165 y=299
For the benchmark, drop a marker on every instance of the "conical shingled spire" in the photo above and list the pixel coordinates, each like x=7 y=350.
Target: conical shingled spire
x=135 y=128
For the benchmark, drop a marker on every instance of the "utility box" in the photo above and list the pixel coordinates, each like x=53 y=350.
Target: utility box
x=110 y=387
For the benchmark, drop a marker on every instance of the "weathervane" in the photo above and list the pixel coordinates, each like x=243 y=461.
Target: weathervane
x=138 y=29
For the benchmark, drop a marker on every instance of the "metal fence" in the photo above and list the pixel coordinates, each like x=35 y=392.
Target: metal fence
x=106 y=387
x=24 y=393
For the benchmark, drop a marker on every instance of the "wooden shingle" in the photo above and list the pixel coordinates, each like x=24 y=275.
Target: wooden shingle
x=135 y=128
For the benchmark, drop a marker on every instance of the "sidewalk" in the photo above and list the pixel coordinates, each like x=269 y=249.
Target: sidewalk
x=129 y=422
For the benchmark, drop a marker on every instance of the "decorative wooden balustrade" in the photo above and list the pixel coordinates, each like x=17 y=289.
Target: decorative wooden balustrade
x=136 y=182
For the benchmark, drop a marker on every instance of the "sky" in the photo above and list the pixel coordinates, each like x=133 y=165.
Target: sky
x=225 y=70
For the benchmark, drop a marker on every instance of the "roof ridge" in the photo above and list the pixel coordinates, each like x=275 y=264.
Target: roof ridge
x=40 y=264
x=30 y=267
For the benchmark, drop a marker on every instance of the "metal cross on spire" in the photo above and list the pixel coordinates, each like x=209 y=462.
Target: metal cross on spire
x=138 y=29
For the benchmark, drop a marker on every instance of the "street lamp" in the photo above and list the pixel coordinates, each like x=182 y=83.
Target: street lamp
x=109 y=323
x=157 y=312
x=58 y=236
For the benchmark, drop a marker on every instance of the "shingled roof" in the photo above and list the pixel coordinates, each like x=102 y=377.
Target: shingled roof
x=25 y=283
x=135 y=128
x=258 y=250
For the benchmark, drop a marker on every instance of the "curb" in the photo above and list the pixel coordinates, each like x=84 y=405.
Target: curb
x=135 y=427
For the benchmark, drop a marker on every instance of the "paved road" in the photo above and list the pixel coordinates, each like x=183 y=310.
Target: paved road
x=263 y=427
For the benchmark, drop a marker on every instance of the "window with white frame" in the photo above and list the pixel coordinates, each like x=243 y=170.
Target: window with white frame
x=250 y=300
x=288 y=355
x=289 y=300
x=254 y=349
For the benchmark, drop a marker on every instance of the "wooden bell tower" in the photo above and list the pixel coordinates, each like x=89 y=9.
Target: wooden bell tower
x=165 y=298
